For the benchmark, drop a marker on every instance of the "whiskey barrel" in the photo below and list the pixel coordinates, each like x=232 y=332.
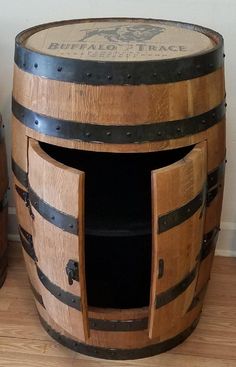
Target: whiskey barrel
x=118 y=161
x=3 y=208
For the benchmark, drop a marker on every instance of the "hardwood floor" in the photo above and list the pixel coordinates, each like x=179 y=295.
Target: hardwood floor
x=23 y=342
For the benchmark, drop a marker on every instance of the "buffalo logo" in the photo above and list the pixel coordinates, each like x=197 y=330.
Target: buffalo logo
x=131 y=33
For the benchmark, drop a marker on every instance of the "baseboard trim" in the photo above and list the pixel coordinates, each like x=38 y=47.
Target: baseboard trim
x=225 y=253
x=13 y=237
x=11 y=210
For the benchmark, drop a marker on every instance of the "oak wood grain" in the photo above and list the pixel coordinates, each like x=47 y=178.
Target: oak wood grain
x=216 y=155
x=62 y=188
x=119 y=105
x=23 y=342
x=172 y=187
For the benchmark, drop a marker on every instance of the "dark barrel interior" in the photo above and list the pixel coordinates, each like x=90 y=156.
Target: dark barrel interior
x=118 y=246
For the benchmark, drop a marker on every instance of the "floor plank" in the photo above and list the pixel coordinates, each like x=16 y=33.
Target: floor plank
x=24 y=343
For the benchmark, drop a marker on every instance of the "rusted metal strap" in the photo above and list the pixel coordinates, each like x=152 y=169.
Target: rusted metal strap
x=26 y=234
x=213 y=182
x=27 y=243
x=179 y=215
x=19 y=173
x=106 y=325
x=167 y=296
x=110 y=72
x=214 y=176
x=25 y=197
x=62 y=220
x=70 y=224
x=118 y=325
x=117 y=73
x=23 y=194
x=59 y=219
x=198 y=298
x=117 y=134
x=118 y=354
x=66 y=297
x=209 y=243
x=37 y=296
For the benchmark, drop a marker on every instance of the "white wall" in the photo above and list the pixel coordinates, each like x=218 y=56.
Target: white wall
x=16 y=15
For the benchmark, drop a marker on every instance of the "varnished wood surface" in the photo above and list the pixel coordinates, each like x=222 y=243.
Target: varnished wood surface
x=172 y=187
x=62 y=187
x=23 y=342
x=107 y=105
x=119 y=104
x=58 y=275
x=44 y=38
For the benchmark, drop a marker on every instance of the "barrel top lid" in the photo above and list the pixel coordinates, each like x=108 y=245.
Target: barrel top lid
x=119 y=39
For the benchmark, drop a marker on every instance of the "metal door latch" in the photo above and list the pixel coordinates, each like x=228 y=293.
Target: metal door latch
x=72 y=270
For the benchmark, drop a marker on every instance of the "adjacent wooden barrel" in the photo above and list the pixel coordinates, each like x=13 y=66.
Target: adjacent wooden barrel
x=118 y=160
x=3 y=208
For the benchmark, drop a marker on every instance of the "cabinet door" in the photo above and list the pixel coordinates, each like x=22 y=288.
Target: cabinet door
x=215 y=185
x=56 y=196
x=178 y=210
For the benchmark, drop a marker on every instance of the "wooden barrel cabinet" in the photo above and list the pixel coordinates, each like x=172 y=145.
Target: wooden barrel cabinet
x=3 y=207
x=118 y=161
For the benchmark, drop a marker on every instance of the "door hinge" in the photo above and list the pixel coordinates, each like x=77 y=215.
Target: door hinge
x=72 y=271
x=25 y=196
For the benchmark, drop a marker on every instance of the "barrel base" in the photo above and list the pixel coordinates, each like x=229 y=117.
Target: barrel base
x=118 y=354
